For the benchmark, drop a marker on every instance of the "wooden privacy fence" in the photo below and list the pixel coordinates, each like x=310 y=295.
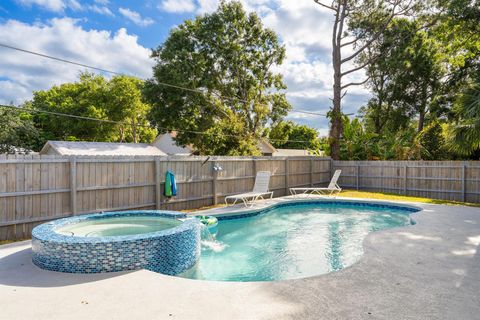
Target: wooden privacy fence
x=448 y=180
x=35 y=189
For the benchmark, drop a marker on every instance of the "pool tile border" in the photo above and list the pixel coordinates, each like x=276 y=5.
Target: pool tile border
x=299 y=202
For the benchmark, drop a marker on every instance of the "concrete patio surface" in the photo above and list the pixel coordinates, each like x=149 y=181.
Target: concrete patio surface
x=430 y=270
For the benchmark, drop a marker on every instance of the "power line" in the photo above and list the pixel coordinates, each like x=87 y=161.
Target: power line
x=7 y=46
x=58 y=59
x=309 y=112
x=19 y=109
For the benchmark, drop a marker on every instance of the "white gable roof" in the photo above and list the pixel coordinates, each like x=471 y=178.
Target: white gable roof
x=166 y=143
x=266 y=147
x=100 y=149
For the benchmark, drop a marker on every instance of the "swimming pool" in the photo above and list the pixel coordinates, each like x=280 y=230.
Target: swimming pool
x=293 y=240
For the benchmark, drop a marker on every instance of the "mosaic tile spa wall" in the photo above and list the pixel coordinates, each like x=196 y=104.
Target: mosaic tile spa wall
x=171 y=251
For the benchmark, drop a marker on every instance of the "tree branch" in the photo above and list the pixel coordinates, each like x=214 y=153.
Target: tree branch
x=376 y=35
x=360 y=66
x=355 y=83
x=324 y=5
x=373 y=59
x=348 y=43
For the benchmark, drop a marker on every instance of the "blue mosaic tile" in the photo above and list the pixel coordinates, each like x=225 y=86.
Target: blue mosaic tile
x=171 y=251
x=294 y=203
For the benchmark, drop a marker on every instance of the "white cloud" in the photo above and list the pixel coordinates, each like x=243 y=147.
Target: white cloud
x=102 y=2
x=101 y=10
x=51 y=5
x=74 y=4
x=177 y=6
x=207 y=5
x=135 y=17
x=21 y=73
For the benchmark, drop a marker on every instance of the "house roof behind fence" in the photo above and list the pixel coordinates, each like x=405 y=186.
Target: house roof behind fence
x=100 y=149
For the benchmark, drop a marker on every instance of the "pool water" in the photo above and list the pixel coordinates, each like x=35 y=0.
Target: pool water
x=118 y=226
x=292 y=242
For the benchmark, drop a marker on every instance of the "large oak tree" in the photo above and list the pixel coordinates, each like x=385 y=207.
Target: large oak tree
x=214 y=82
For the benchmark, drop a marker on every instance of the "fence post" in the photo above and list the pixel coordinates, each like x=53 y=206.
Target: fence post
x=358 y=176
x=331 y=168
x=405 y=177
x=286 y=176
x=464 y=167
x=73 y=185
x=158 y=187
x=214 y=183
x=311 y=171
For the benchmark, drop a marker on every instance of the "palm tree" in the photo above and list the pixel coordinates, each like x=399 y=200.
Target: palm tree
x=464 y=135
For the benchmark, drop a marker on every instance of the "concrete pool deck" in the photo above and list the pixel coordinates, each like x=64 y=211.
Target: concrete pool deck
x=430 y=270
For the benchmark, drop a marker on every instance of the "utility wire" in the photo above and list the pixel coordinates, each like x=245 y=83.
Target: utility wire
x=7 y=46
x=20 y=109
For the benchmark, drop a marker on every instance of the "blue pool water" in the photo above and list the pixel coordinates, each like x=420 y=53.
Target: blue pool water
x=292 y=242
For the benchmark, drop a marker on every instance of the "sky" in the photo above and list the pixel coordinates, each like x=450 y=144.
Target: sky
x=119 y=36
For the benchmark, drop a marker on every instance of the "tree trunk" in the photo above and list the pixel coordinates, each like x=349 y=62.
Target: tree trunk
x=421 y=120
x=336 y=128
x=422 y=111
x=122 y=134
x=134 y=131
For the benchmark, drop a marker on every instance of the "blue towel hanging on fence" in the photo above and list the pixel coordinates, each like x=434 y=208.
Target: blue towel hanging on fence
x=170 y=185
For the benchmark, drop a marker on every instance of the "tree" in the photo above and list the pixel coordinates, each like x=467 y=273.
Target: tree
x=464 y=134
x=459 y=35
x=17 y=132
x=358 y=144
x=93 y=96
x=432 y=142
x=407 y=81
x=352 y=14
x=126 y=105
x=226 y=59
x=289 y=135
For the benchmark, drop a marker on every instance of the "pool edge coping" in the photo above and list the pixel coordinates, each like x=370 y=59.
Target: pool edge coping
x=47 y=231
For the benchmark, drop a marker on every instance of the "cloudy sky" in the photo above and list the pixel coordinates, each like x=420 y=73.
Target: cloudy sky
x=118 y=35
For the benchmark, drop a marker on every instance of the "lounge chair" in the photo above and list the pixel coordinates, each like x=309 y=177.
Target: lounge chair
x=260 y=189
x=332 y=188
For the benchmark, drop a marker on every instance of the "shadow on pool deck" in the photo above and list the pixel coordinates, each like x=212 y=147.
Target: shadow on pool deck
x=429 y=271
x=17 y=269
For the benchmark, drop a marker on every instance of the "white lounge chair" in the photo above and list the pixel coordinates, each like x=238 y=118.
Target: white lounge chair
x=332 y=188
x=260 y=189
